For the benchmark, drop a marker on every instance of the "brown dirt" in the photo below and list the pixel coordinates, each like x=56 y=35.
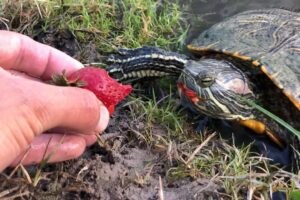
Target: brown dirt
x=124 y=169
x=129 y=170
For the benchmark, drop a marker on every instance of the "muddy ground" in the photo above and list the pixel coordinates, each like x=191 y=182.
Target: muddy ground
x=128 y=170
x=124 y=169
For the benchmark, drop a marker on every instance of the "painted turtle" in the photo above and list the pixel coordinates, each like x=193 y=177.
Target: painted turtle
x=253 y=55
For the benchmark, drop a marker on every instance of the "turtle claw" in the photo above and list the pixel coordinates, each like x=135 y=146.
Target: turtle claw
x=202 y=125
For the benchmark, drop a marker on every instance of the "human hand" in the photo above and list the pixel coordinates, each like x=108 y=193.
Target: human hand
x=71 y=116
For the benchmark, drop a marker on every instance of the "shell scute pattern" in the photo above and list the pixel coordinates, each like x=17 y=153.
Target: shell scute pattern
x=269 y=38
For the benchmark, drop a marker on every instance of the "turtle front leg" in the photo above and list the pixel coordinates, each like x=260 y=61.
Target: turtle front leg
x=260 y=128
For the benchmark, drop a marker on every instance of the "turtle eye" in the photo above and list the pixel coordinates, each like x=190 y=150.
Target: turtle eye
x=206 y=81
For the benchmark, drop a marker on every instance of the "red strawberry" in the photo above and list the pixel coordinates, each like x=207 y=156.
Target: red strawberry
x=97 y=80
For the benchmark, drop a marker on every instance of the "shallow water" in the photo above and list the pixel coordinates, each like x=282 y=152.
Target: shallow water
x=201 y=14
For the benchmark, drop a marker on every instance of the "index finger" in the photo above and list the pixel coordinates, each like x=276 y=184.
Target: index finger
x=21 y=53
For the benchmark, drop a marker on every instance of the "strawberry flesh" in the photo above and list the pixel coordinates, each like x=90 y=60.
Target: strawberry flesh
x=97 y=80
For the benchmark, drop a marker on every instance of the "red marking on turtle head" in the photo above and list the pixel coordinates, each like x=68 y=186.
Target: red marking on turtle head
x=192 y=95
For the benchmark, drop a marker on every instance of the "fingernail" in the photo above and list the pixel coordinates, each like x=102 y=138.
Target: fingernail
x=104 y=119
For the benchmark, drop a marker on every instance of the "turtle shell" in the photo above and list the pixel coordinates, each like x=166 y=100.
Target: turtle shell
x=270 y=39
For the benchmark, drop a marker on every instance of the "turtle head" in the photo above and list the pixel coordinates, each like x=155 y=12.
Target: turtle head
x=216 y=88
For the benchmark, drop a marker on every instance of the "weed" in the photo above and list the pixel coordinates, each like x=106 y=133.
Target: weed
x=104 y=23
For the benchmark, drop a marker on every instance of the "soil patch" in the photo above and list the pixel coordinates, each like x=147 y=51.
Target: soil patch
x=124 y=169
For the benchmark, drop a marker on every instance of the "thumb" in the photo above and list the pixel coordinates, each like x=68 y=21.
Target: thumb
x=29 y=108
x=73 y=108
x=68 y=107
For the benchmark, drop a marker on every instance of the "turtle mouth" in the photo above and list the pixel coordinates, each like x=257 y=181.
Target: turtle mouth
x=192 y=95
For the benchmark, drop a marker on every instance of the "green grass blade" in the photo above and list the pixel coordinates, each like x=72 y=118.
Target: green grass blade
x=274 y=117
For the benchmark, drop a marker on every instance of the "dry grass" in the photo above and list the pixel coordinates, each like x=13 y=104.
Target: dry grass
x=241 y=173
